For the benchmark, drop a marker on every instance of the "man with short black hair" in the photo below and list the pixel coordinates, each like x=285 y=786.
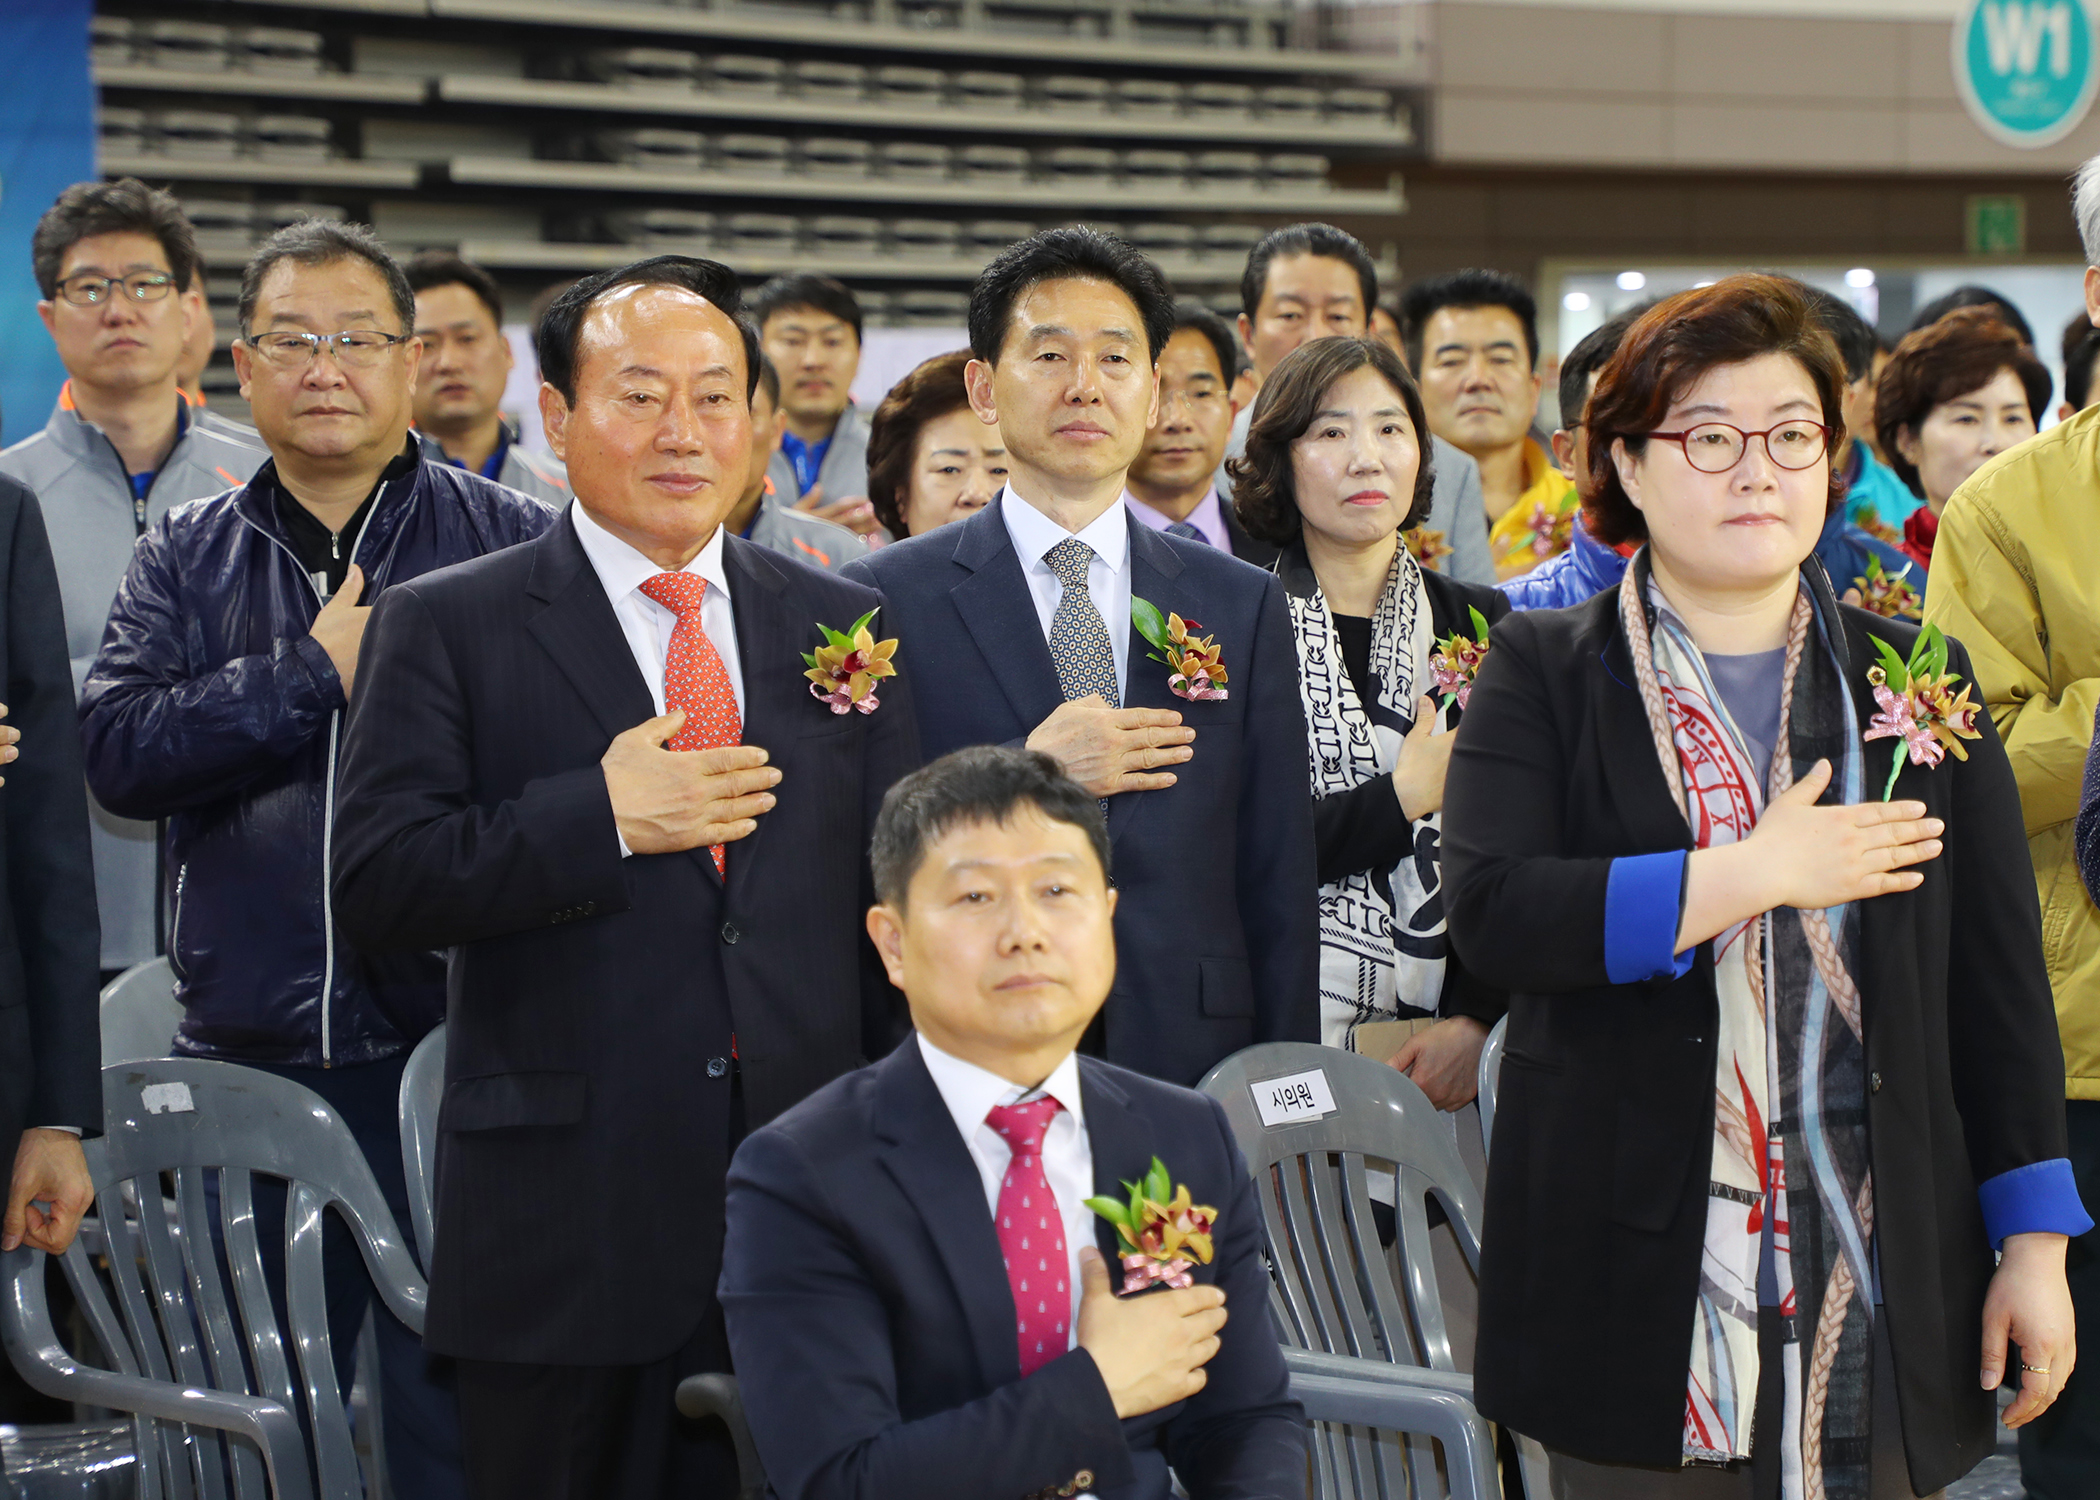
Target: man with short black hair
x=1003 y=1362
x=467 y=362
x=217 y=703
x=1588 y=567
x=1473 y=342
x=1037 y=608
x=759 y=515
x=124 y=446
x=1875 y=499
x=595 y=768
x=810 y=328
x=1308 y=281
x=1173 y=478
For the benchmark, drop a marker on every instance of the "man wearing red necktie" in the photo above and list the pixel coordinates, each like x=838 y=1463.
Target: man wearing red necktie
x=920 y=1298
x=593 y=768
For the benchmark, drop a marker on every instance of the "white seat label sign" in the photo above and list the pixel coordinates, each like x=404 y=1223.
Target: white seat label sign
x=1285 y=1101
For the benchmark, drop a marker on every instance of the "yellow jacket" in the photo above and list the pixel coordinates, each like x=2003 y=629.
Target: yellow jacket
x=2016 y=578
x=1541 y=524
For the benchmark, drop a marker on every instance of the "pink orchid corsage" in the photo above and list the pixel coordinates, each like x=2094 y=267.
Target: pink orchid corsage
x=844 y=670
x=1161 y=1234
x=1195 y=664
x=1456 y=661
x=1919 y=705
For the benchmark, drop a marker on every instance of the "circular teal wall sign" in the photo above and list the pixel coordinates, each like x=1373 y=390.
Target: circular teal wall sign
x=2025 y=67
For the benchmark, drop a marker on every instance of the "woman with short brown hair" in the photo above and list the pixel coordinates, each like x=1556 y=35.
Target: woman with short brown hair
x=930 y=460
x=1955 y=394
x=1782 y=1065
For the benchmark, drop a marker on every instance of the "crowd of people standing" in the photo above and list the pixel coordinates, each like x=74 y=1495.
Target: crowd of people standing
x=815 y=822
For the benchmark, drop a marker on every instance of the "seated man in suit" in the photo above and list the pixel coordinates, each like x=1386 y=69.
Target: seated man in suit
x=883 y=1348
x=1032 y=607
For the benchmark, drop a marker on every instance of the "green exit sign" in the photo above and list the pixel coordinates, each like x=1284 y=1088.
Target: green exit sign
x=1995 y=224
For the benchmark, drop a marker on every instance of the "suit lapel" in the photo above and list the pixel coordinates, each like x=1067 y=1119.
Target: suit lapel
x=579 y=630
x=999 y=612
x=930 y=1163
x=776 y=694
x=1122 y=1145
x=1156 y=576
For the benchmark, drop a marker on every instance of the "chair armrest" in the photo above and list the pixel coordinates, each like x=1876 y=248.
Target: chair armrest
x=45 y=1366
x=1400 y=1398
x=718 y=1396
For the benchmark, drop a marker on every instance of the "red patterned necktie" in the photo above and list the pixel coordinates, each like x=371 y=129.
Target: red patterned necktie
x=1032 y=1235
x=694 y=677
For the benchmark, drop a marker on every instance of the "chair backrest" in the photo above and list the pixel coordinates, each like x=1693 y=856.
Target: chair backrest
x=139 y=1013
x=190 y=1300
x=1491 y=1081
x=422 y=1091
x=1317 y=1126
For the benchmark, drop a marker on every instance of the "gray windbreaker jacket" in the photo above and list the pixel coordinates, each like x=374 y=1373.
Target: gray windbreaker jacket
x=94 y=522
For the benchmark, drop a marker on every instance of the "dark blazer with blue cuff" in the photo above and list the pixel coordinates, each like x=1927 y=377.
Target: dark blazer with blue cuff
x=1217 y=927
x=1559 y=827
x=873 y=1328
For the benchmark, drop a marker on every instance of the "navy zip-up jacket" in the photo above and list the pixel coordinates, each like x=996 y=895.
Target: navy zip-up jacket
x=211 y=705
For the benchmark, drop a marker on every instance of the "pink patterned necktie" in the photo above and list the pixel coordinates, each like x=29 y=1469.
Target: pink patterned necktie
x=694 y=677
x=1032 y=1235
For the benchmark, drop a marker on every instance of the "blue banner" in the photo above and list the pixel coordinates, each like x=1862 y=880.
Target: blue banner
x=47 y=143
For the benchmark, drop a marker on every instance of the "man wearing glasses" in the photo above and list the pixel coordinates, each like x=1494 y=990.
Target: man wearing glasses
x=121 y=450
x=217 y=703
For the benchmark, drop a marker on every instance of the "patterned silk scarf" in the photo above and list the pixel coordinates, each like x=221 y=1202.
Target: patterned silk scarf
x=1382 y=942
x=1790 y=1072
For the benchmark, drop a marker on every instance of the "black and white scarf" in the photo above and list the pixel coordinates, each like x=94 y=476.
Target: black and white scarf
x=1382 y=943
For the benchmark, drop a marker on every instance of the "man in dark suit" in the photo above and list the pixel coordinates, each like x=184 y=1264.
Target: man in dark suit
x=1173 y=476
x=593 y=768
x=917 y=1291
x=50 y=1065
x=1028 y=606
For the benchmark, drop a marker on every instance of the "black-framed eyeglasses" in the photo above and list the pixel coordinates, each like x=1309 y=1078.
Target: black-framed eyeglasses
x=92 y=291
x=358 y=348
x=1716 y=447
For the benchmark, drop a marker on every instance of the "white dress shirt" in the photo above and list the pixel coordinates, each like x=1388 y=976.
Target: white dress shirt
x=648 y=625
x=971 y=1093
x=1107 y=576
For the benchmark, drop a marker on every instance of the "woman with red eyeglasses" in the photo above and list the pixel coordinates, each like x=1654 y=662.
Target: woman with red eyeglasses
x=1782 y=1068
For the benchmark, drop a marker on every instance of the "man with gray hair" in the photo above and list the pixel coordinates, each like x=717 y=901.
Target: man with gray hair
x=217 y=703
x=2013 y=580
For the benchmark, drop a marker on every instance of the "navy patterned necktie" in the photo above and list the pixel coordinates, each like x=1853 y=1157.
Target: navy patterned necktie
x=1079 y=643
x=1184 y=529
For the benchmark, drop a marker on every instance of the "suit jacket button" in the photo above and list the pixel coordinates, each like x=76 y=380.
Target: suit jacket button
x=731 y=932
x=717 y=1067
x=1084 y=1479
x=1874 y=1083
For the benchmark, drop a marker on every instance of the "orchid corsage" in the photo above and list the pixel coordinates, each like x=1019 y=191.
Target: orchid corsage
x=1888 y=594
x=1160 y=1234
x=1919 y=705
x=1427 y=546
x=1195 y=665
x=844 y=670
x=1456 y=661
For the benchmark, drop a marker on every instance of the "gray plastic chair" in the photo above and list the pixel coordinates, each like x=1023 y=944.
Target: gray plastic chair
x=1491 y=1081
x=196 y=1359
x=422 y=1092
x=1368 y=1353
x=139 y=1013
